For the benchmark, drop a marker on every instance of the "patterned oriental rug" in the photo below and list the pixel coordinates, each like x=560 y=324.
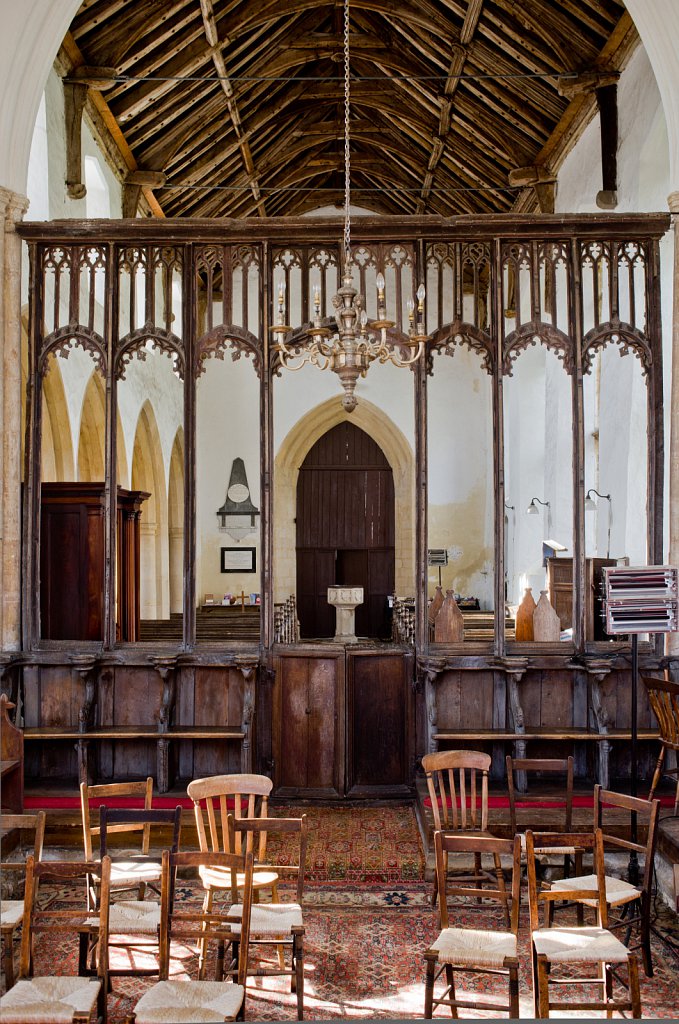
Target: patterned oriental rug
x=368 y=920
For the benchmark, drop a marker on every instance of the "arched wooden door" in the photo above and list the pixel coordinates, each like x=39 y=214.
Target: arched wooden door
x=345 y=531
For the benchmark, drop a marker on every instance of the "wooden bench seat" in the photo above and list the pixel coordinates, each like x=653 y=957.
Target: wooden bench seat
x=587 y=735
x=131 y=732
x=225 y=733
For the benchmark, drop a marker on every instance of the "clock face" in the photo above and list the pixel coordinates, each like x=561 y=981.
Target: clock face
x=238 y=492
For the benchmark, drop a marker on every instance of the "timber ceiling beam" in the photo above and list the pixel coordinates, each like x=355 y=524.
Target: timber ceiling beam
x=583 y=106
x=212 y=36
x=112 y=140
x=457 y=62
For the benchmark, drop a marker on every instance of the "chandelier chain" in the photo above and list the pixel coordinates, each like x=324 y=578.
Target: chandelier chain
x=347 y=157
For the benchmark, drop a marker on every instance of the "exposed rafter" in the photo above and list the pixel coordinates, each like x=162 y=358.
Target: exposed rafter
x=234 y=107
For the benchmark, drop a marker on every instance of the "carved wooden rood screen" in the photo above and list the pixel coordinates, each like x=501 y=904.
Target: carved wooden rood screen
x=188 y=701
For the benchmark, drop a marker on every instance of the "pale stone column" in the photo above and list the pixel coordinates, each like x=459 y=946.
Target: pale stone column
x=12 y=209
x=673 y=201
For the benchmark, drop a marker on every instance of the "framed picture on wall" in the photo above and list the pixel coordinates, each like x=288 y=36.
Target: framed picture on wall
x=239 y=560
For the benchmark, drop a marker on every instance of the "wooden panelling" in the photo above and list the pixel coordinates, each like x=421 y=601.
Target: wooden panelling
x=72 y=561
x=218 y=701
x=379 y=711
x=54 y=695
x=136 y=703
x=465 y=700
x=309 y=725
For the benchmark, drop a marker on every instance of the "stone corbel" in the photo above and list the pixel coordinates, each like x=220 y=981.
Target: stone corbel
x=541 y=180
x=76 y=89
x=132 y=186
x=597 y=670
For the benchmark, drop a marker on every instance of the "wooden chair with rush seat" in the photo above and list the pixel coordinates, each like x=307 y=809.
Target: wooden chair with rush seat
x=629 y=903
x=576 y=946
x=663 y=697
x=245 y=796
x=279 y=924
x=137 y=920
x=140 y=870
x=488 y=949
x=457 y=781
x=177 y=999
x=528 y=810
x=12 y=911
x=46 y=999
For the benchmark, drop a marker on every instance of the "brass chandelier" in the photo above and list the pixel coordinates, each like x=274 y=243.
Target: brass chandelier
x=351 y=349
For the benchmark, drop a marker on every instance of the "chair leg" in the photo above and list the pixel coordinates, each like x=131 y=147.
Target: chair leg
x=429 y=985
x=534 y=978
x=298 y=972
x=202 y=960
x=514 y=993
x=281 y=950
x=542 y=1012
x=634 y=993
x=657 y=773
x=645 y=935
x=8 y=958
x=501 y=886
x=608 y=987
x=450 y=982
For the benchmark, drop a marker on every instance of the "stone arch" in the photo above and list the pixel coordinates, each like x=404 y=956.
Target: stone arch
x=91 y=441
x=56 y=452
x=175 y=503
x=148 y=474
x=289 y=458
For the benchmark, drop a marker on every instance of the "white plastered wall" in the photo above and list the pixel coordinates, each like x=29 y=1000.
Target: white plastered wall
x=615 y=392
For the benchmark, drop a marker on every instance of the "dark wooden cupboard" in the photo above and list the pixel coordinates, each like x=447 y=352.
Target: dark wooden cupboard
x=343 y=721
x=72 y=561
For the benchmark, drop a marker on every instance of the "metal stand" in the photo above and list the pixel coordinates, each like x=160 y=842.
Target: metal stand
x=633 y=866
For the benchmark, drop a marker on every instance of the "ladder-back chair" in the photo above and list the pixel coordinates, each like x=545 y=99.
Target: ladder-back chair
x=178 y=999
x=137 y=920
x=12 y=911
x=44 y=999
x=529 y=810
x=280 y=924
x=487 y=948
x=139 y=870
x=575 y=946
x=629 y=903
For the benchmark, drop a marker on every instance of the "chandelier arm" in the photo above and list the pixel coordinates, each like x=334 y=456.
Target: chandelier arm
x=397 y=360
